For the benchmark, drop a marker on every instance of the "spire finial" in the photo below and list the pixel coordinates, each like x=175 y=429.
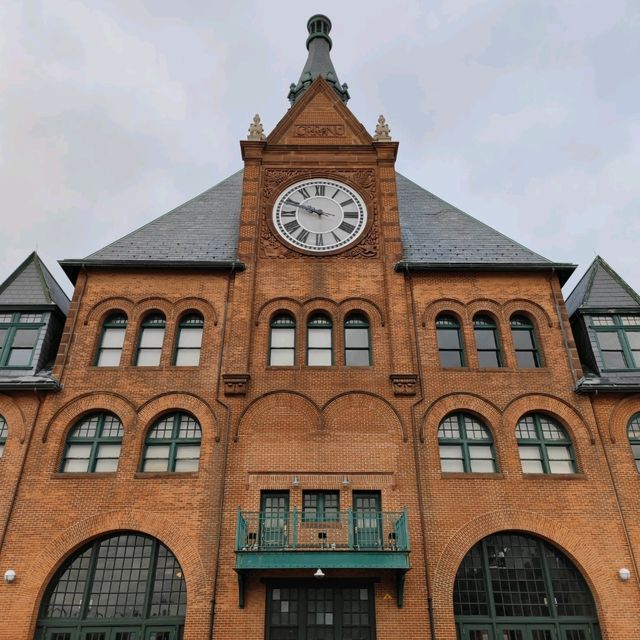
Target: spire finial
x=383 y=133
x=256 y=130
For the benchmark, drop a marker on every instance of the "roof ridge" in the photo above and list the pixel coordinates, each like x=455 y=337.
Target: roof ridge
x=38 y=265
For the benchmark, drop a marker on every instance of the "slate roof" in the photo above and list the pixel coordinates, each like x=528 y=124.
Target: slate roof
x=32 y=285
x=204 y=232
x=601 y=288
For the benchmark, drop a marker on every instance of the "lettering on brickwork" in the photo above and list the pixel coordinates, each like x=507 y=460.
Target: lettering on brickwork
x=404 y=384
x=319 y=130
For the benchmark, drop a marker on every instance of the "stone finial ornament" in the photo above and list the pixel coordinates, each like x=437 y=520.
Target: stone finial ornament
x=383 y=133
x=256 y=130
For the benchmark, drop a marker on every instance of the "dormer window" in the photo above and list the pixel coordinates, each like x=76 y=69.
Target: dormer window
x=618 y=339
x=19 y=334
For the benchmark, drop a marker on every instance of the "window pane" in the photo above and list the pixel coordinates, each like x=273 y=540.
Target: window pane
x=156 y=465
x=106 y=465
x=449 y=428
x=188 y=357
x=480 y=452
x=3 y=336
x=448 y=338
x=475 y=430
x=20 y=357
x=609 y=340
x=451 y=465
x=526 y=359
x=485 y=339
x=532 y=466
x=109 y=358
x=187 y=457
x=190 y=337
x=529 y=452
x=182 y=466
x=614 y=360
x=108 y=451
x=160 y=452
x=526 y=428
x=482 y=466
x=633 y=337
x=358 y=358
x=282 y=337
x=113 y=338
x=561 y=466
x=551 y=430
x=282 y=358
x=522 y=339
x=320 y=357
x=25 y=337
x=151 y=338
x=451 y=451
x=488 y=359
x=558 y=453
x=320 y=338
x=355 y=338
x=188 y=428
x=149 y=357
x=450 y=359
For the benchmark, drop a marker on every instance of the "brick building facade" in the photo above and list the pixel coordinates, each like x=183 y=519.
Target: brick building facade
x=278 y=414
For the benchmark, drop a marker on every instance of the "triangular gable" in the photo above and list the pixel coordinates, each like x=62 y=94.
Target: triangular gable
x=319 y=117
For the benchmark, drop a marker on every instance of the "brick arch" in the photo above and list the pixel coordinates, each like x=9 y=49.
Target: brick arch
x=488 y=307
x=107 y=306
x=72 y=411
x=150 y=304
x=484 y=409
x=537 y=313
x=355 y=303
x=196 y=304
x=364 y=402
x=318 y=305
x=569 y=417
x=620 y=416
x=273 y=403
x=171 y=402
x=39 y=573
x=568 y=541
x=16 y=422
x=452 y=305
x=272 y=306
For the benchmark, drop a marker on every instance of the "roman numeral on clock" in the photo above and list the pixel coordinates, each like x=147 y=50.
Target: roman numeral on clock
x=293 y=203
x=335 y=237
x=292 y=226
x=302 y=236
x=305 y=193
x=346 y=202
x=350 y=214
x=319 y=240
x=347 y=226
x=320 y=189
x=289 y=214
x=335 y=193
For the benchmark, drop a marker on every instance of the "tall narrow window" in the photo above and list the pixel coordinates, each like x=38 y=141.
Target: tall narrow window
x=173 y=444
x=4 y=432
x=465 y=445
x=357 y=341
x=282 y=341
x=189 y=340
x=111 y=341
x=319 y=341
x=449 y=341
x=151 y=340
x=633 y=431
x=93 y=445
x=524 y=342
x=19 y=334
x=544 y=445
x=619 y=340
x=487 y=343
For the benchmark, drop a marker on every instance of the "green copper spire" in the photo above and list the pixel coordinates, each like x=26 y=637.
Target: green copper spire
x=319 y=61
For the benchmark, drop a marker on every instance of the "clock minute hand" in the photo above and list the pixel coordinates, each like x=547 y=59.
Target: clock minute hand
x=320 y=212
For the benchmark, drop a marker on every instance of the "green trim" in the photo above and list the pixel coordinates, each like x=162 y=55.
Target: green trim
x=521 y=323
x=464 y=441
x=95 y=442
x=14 y=325
x=621 y=330
x=326 y=559
x=448 y=322
x=483 y=322
x=173 y=442
x=320 y=507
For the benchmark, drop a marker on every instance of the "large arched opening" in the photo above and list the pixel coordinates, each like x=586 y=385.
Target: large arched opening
x=515 y=586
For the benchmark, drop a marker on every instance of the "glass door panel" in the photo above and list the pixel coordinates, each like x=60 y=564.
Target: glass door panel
x=542 y=632
x=367 y=524
x=60 y=634
x=274 y=518
x=125 y=634
x=320 y=614
x=576 y=632
x=161 y=633
x=477 y=632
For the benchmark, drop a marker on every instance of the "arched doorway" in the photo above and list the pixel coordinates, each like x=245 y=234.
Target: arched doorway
x=124 y=586
x=513 y=586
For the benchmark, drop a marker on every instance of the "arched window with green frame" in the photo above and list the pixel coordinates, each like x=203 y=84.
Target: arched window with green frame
x=450 y=344
x=544 y=445
x=488 y=348
x=465 y=445
x=123 y=586
x=189 y=340
x=357 y=340
x=282 y=340
x=111 y=340
x=93 y=444
x=150 y=340
x=633 y=432
x=523 y=335
x=4 y=432
x=319 y=341
x=173 y=444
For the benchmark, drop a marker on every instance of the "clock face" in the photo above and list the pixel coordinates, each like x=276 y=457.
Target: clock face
x=319 y=215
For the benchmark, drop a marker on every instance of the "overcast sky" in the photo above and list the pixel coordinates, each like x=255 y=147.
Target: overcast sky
x=524 y=113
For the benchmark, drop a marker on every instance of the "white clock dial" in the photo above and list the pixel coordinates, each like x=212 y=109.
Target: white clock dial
x=319 y=215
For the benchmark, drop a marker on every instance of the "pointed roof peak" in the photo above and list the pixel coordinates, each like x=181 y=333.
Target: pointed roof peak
x=318 y=61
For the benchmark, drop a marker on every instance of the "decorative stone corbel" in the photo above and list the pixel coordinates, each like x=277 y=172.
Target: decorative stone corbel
x=235 y=384
x=404 y=384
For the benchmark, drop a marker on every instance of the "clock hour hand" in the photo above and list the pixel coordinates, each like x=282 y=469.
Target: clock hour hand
x=320 y=212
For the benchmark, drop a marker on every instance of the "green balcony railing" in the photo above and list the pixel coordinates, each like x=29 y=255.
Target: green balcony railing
x=350 y=530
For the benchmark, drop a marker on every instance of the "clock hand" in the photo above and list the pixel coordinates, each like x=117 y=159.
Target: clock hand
x=320 y=212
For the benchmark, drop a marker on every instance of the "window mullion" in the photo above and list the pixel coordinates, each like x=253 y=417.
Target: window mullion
x=553 y=610
x=153 y=565
x=86 y=598
x=6 y=350
x=626 y=349
x=488 y=585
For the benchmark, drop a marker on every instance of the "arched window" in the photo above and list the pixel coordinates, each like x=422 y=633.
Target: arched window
x=633 y=431
x=524 y=342
x=111 y=340
x=93 y=445
x=357 y=341
x=487 y=342
x=449 y=341
x=521 y=588
x=465 y=445
x=173 y=444
x=116 y=587
x=189 y=340
x=319 y=341
x=544 y=445
x=4 y=432
x=282 y=341
x=151 y=340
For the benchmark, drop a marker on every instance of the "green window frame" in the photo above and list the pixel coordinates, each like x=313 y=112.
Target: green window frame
x=633 y=433
x=93 y=445
x=4 y=433
x=282 y=340
x=544 y=445
x=525 y=344
x=173 y=444
x=450 y=343
x=320 y=506
x=465 y=445
x=189 y=341
x=109 y=350
x=618 y=338
x=19 y=333
x=151 y=340
x=485 y=331
x=357 y=340
x=320 y=341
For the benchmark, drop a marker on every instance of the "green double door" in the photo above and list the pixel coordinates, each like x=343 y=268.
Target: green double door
x=541 y=631
x=113 y=633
